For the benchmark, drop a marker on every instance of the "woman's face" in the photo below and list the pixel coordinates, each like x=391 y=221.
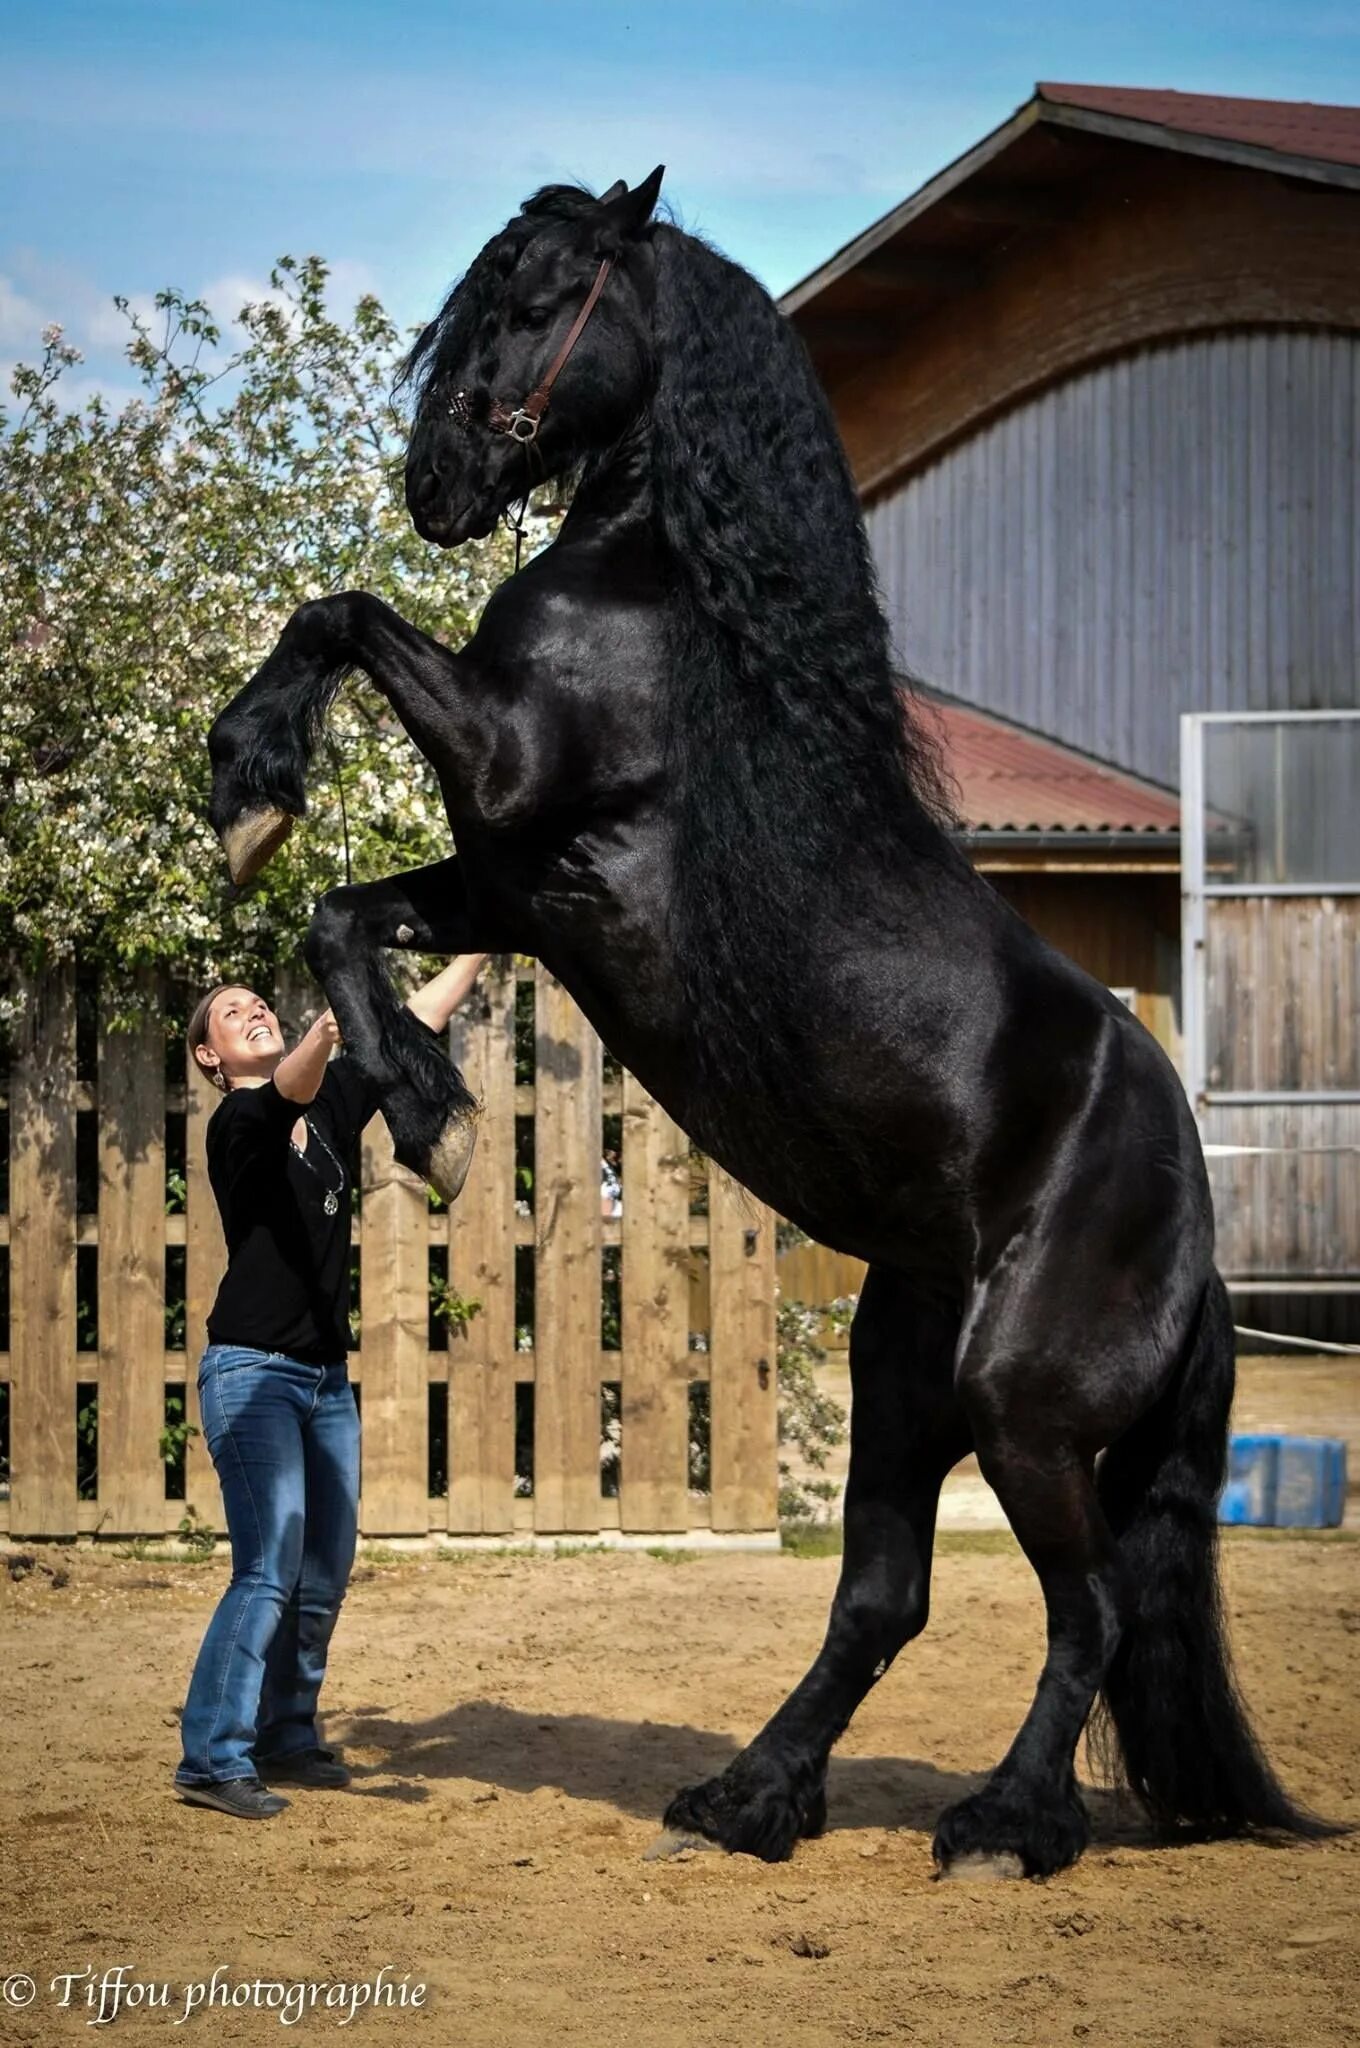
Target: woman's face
x=243 y=1039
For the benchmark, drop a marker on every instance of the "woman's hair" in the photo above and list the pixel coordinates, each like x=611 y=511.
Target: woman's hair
x=197 y=1033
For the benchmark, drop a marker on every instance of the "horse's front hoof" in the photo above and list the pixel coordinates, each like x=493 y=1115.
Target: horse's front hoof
x=1011 y=1831
x=754 y=1813
x=452 y=1155
x=252 y=840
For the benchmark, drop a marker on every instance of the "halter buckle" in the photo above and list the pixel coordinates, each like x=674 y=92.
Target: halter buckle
x=521 y=426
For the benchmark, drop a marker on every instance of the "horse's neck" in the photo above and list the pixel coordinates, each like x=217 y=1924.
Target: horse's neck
x=615 y=494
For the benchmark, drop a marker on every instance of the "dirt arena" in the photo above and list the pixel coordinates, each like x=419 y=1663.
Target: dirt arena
x=515 y=1724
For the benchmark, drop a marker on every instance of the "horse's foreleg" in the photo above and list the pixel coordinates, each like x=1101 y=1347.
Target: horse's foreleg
x=906 y=1430
x=429 y=1111
x=261 y=745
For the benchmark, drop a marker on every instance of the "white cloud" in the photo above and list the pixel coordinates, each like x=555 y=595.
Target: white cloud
x=22 y=320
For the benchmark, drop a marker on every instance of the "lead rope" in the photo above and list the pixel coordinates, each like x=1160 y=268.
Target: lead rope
x=340 y=787
x=1300 y=1343
x=517 y=525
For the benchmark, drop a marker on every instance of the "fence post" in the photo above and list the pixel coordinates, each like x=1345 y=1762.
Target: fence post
x=132 y=1268
x=567 y=1135
x=743 y=1366
x=481 y=1358
x=394 y=1343
x=654 y=1470
x=43 y=1259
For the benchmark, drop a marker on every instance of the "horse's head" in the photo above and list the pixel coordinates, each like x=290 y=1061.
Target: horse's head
x=498 y=407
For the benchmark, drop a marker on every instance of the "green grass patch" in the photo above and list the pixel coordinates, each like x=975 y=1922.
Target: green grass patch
x=811 y=1539
x=141 y=1550
x=822 y=1539
x=975 y=1543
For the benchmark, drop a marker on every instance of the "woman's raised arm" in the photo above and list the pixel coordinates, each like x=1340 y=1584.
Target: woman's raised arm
x=436 y=1001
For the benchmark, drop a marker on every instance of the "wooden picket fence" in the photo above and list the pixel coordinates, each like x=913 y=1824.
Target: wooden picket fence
x=696 y=1297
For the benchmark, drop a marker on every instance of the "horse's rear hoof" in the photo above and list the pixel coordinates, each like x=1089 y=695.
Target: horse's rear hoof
x=976 y=1868
x=1011 y=1831
x=452 y=1155
x=253 y=839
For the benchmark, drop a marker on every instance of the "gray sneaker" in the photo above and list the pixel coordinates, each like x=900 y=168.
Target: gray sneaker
x=246 y=1798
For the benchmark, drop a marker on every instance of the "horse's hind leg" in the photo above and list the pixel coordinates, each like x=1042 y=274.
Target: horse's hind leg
x=1029 y=1818
x=906 y=1430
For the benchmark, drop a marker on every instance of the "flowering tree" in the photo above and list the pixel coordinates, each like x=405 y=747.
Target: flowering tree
x=148 y=559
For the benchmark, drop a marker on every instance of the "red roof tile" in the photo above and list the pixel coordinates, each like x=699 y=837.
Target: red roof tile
x=1293 y=127
x=1010 y=779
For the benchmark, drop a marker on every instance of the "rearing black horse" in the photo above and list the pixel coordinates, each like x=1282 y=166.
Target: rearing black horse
x=679 y=769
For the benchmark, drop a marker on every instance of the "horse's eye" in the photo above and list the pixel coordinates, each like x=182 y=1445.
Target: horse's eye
x=535 y=318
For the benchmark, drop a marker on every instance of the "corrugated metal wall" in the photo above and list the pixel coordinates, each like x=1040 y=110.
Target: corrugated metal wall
x=1176 y=531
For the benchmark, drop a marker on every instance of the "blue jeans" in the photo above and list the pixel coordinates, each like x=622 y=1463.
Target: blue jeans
x=284 y=1437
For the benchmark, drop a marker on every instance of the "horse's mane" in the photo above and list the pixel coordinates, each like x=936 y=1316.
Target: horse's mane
x=791 y=740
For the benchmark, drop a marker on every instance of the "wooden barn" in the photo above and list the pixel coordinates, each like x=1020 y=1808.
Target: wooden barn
x=1099 y=382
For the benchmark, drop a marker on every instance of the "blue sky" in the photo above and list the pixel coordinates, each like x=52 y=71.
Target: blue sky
x=145 y=142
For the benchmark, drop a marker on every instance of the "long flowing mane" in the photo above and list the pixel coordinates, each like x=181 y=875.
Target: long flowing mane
x=790 y=736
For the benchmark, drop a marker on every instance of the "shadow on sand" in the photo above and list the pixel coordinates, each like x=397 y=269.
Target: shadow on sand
x=635 y=1767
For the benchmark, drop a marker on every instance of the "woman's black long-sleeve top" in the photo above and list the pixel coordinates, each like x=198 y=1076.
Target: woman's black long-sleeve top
x=286 y=1287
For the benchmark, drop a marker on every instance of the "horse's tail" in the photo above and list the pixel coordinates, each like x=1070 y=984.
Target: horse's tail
x=1182 y=1733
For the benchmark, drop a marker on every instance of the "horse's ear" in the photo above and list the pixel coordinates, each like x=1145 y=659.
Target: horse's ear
x=623 y=213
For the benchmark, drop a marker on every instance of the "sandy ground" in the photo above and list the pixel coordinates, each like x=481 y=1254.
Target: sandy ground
x=515 y=1725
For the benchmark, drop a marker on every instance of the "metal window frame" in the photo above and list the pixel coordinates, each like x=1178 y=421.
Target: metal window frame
x=1196 y=896
x=1197 y=893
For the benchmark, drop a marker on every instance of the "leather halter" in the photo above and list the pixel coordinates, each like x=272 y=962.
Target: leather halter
x=520 y=422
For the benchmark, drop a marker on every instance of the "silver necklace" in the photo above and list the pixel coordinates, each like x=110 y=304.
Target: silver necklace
x=331 y=1199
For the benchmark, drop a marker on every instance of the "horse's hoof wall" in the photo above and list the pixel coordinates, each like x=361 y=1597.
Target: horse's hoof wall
x=672 y=1842
x=978 y=1868
x=452 y=1156
x=253 y=840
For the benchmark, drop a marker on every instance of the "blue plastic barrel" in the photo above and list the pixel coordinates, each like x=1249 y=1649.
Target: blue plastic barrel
x=1285 y=1482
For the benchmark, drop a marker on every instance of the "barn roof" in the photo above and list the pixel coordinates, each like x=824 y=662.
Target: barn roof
x=1034 y=172
x=1010 y=779
x=1298 y=128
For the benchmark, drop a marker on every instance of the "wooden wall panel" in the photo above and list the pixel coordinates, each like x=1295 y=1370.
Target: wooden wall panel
x=653 y=1491
x=743 y=1374
x=1292 y=1209
x=482 y=1360
x=567 y=1137
x=132 y=1267
x=43 y=1260
x=393 y=1363
x=1161 y=252
x=1283 y=987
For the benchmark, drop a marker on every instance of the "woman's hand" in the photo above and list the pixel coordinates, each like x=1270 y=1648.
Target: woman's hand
x=298 y=1074
x=325 y=1030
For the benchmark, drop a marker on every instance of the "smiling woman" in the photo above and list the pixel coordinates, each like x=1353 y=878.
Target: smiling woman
x=279 y=1415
